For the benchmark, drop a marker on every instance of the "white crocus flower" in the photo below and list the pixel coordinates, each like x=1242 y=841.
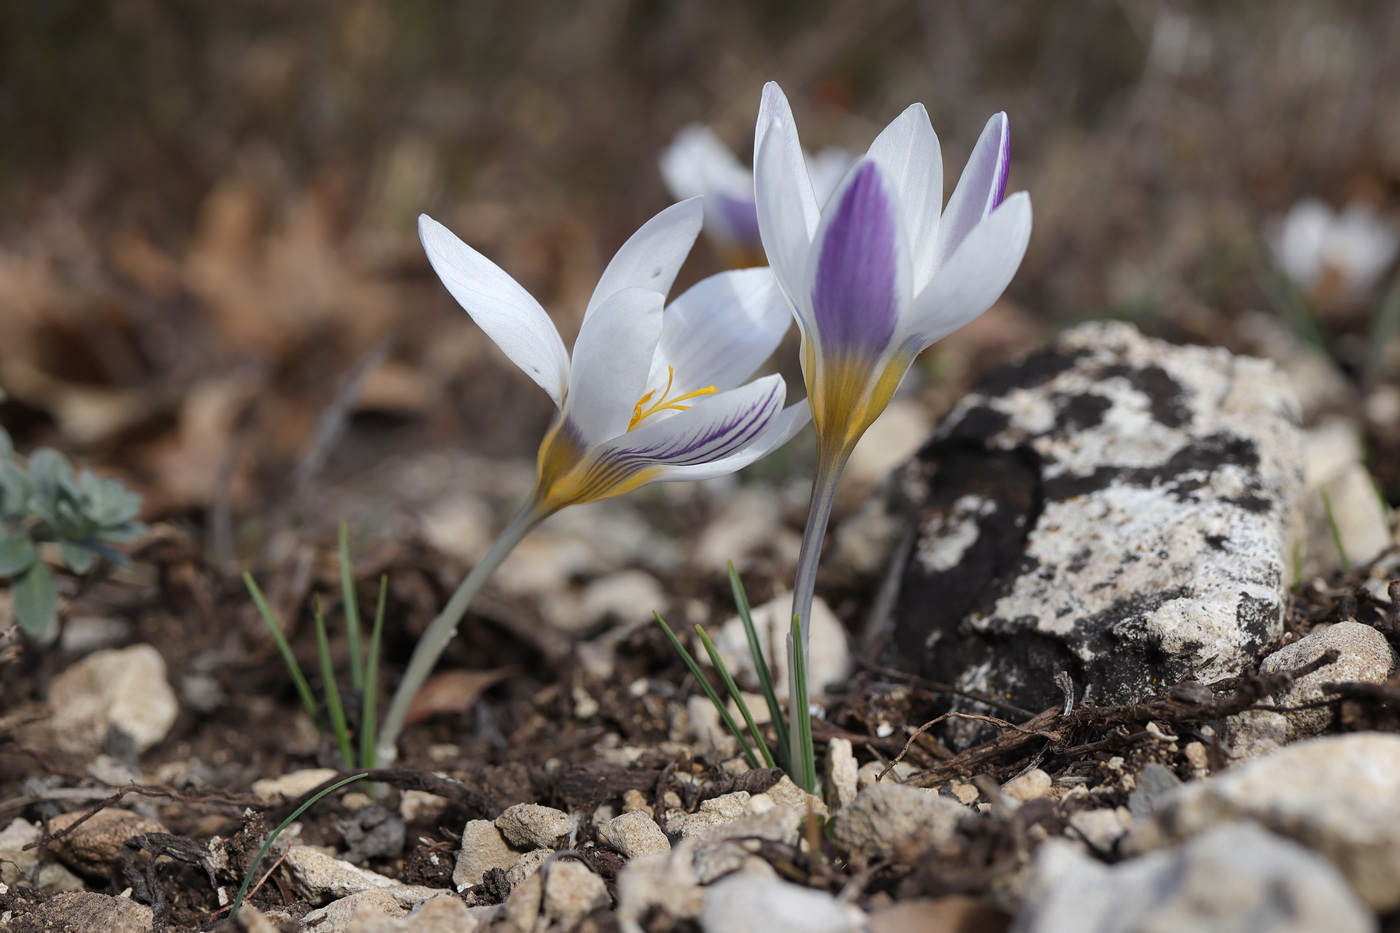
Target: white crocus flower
x=1321 y=249
x=652 y=393
x=697 y=162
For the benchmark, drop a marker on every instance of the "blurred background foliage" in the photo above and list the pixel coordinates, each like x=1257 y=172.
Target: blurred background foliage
x=207 y=209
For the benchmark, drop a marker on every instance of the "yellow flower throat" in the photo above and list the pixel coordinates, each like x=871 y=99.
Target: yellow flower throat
x=646 y=407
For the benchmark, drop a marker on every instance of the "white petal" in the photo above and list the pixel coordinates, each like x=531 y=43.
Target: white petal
x=977 y=273
x=722 y=329
x=907 y=152
x=653 y=255
x=612 y=357
x=715 y=427
x=787 y=208
x=780 y=430
x=500 y=307
x=826 y=169
x=980 y=187
x=697 y=162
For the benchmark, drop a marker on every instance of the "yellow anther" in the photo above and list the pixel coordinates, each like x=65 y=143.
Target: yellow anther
x=643 y=411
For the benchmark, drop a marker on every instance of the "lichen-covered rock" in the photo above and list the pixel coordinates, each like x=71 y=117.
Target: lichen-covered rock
x=1114 y=507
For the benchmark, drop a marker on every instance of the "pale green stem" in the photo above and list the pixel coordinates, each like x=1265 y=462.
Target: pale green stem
x=435 y=640
x=828 y=475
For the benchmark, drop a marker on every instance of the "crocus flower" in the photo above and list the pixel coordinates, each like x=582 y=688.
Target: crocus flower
x=698 y=163
x=1342 y=253
x=879 y=273
x=652 y=393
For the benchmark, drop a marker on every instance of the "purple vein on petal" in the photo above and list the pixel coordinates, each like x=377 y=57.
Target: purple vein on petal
x=1003 y=168
x=854 y=300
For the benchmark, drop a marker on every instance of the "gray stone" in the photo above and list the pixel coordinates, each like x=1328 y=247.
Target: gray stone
x=662 y=886
x=88 y=911
x=122 y=689
x=1236 y=878
x=747 y=903
x=443 y=914
x=1339 y=795
x=572 y=891
x=534 y=826
x=483 y=848
x=713 y=812
x=1364 y=656
x=634 y=834
x=527 y=864
x=1114 y=507
x=322 y=878
x=94 y=847
x=338 y=914
x=841 y=773
x=884 y=817
x=1151 y=785
x=1032 y=785
x=16 y=862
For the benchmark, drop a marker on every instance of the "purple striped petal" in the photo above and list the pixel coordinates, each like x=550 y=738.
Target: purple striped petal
x=735 y=218
x=855 y=285
x=980 y=189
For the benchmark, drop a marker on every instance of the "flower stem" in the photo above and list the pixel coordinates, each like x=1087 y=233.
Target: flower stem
x=438 y=634
x=828 y=475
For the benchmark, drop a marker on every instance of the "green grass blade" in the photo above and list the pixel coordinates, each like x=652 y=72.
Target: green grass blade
x=352 y=610
x=339 y=727
x=733 y=689
x=694 y=666
x=760 y=663
x=802 y=716
x=257 y=859
x=1335 y=528
x=308 y=699
x=369 y=711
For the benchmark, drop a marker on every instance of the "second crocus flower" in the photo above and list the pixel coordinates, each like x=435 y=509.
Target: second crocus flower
x=879 y=273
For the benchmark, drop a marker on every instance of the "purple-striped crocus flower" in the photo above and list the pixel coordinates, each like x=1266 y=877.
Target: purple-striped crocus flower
x=652 y=393
x=879 y=272
x=698 y=163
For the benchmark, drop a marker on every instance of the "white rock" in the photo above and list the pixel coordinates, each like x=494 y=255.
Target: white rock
x=883 y=817
x=1032 y=785
x=1339 y=795
x=715 y=811
x=628 y=598
x=526 y=865
x=279 y=790
x=745 y=903
x=634 y=834
x=16 y=862
x=1348 y=508
x=483 y=848
x=534 y=826
x=442 y=914
x=122 y=689
x=1236 y=878
x=830 y=662
x=324 y=878
x=663 y=884
x=1101 y=828
x=1365 y=656
x=572 y=891
x=841 y=773
x=748 y=523
x=338 y=914
x=894 y=437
